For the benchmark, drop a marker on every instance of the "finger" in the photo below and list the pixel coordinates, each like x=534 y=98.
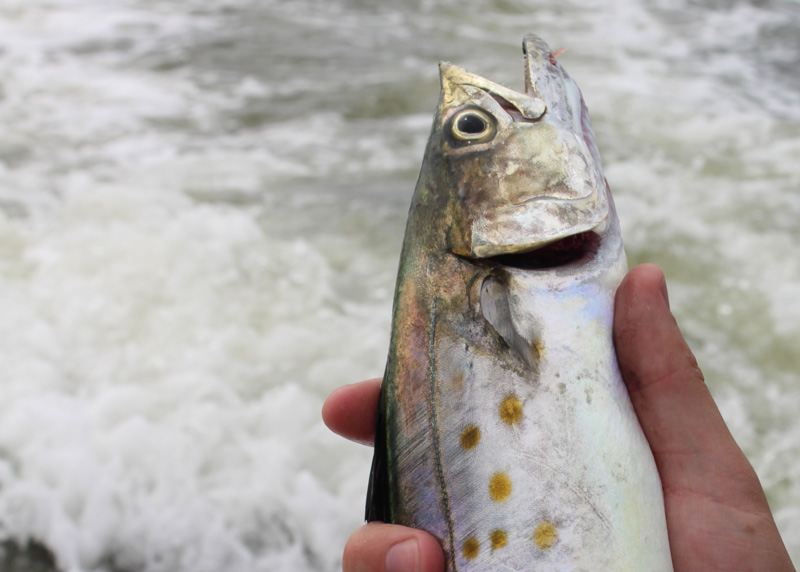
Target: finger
x=379 y=547
x=350 y=410
x=675 y=408
x=717 y=514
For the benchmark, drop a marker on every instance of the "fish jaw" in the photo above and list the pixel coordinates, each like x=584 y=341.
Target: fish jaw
x=536 y=176
x=547 y=80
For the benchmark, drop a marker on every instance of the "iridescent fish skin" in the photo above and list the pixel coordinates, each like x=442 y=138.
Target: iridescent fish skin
x=505 y=429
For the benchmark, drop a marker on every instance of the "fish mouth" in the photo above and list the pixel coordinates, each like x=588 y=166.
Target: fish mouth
x=574 y=249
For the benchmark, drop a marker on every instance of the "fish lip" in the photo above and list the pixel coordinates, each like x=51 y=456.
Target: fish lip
x=455 y=78
x=572 y=250
x=509 y=232
x=569 y=249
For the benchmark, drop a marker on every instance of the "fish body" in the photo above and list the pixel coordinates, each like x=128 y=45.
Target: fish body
x=504 y=427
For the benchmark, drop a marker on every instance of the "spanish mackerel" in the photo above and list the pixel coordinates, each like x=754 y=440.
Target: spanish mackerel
x=504 y=427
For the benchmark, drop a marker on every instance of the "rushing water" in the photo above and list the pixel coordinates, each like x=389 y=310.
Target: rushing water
x=201 y=208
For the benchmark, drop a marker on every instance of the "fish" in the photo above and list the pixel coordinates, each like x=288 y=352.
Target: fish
x=504 y=428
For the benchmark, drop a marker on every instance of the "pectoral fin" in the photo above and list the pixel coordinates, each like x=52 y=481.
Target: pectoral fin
x=496 y=310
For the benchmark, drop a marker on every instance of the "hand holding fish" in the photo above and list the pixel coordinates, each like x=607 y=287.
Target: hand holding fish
x=717 y=515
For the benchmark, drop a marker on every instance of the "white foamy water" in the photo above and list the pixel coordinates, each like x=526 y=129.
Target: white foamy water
x=201 y=209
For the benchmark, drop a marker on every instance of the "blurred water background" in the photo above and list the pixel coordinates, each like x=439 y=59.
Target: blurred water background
x=201 y=210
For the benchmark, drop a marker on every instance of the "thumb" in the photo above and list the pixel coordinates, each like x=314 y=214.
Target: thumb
x=379 y=547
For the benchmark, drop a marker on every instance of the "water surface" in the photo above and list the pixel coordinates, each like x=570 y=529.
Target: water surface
x=201 y=210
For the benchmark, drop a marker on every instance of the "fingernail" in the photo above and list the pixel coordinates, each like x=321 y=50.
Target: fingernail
x=403 y=557
x=664 y=292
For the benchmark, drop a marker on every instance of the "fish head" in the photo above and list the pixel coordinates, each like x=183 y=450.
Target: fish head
x=522 y=169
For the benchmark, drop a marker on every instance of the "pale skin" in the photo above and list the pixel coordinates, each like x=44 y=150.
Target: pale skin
x=717 y=515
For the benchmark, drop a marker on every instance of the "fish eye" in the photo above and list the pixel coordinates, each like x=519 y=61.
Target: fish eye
x=472 y=125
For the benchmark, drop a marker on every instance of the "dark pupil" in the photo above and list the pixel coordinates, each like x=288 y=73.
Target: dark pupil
x=471 y=124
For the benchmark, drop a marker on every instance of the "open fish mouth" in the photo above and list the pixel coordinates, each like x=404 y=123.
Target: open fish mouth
x=576 y=248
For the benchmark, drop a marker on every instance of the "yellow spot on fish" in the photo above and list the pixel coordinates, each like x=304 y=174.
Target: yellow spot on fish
x=470 y=548
x=545 y=535
x=511 y=410
x=470 y=437
x=499 y=539
x=538 y=349
x=499 y=487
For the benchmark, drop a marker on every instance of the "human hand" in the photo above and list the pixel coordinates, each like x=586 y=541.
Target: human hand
x=717 y=515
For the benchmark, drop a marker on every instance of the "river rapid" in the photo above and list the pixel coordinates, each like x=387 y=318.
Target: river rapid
x=201 y=211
